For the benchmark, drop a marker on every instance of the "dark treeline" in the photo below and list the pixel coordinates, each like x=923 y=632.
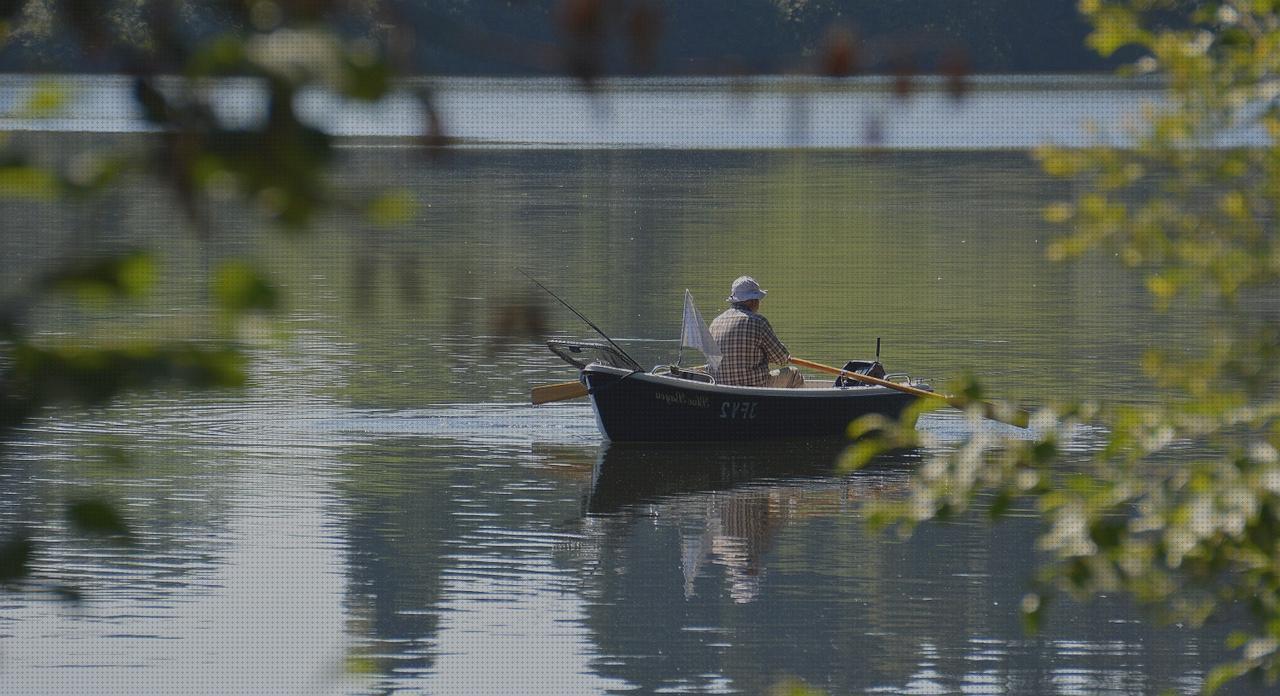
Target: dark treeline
x=622 y=37
x=764 y=36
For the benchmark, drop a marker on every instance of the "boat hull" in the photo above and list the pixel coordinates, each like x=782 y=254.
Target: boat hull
x=640 y=407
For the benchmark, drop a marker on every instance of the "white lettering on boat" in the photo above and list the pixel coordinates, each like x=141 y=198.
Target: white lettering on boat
x=683 y=399
x=737 y=410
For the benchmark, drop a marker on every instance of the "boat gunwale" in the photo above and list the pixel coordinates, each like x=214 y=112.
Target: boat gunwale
x=825 y=392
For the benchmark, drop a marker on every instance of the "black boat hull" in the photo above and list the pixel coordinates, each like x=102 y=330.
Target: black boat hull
x=640 y=407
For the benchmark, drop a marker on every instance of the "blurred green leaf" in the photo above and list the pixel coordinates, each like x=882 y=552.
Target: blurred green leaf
x=393 y=208
x=1044 y=452
x=1000 y=505
x=44 y=376
x=794 y=687
x=1220 y=675
x=95 y=516
x=45 y=101
x=967 y=389
x=867 y=425
x=127 y=276
x=1237 y=639
x=1115 y=27
x=223 y=55
x=360 y=665
x=240 y=287
x=1107 y=533
x=15 y=558
x=367 y=76
x=29 y=183
x=860 y=454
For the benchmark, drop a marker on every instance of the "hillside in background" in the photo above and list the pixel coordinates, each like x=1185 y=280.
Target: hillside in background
x=771 y=36
x=622 y=37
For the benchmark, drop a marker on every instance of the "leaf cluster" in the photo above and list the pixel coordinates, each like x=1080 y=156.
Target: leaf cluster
x=1190 y=201
x=182 y=58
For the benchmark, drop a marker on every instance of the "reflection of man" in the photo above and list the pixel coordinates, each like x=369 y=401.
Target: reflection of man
x=748 y=343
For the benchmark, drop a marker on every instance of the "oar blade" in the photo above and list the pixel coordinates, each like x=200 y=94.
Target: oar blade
x=548 y=393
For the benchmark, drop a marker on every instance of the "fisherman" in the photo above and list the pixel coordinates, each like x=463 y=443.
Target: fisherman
x=748 y=343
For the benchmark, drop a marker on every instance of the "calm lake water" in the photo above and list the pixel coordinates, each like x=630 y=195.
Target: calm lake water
x=381 y=512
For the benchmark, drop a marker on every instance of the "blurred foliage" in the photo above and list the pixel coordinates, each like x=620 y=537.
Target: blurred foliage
x=175 y=53
x=793 y=687
x=239 y=287
x=103 y=279
x=97 y=517
x=1191 y=207
x=15 y=557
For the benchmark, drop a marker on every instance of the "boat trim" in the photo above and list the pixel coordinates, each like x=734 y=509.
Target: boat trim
x=799 y=392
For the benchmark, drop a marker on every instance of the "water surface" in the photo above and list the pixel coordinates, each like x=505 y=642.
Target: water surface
x=380 y=511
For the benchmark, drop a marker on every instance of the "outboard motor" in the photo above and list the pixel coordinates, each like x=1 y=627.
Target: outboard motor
x=870 y=368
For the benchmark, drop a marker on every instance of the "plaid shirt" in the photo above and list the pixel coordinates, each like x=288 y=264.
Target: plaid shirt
x=748 y=343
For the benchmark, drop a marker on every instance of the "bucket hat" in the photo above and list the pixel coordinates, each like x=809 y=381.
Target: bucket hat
x=745 y=288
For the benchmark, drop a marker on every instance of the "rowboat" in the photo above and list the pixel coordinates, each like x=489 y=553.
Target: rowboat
x=673 y=404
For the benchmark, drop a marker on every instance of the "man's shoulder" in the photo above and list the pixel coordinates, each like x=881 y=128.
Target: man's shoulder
x=738 y=320
x=755 y=318
x=729 y=314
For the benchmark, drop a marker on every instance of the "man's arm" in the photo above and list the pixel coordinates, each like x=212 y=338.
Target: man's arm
x=774 y=349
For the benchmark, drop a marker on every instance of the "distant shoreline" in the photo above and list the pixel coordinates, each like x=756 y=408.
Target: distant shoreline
x=987 y=113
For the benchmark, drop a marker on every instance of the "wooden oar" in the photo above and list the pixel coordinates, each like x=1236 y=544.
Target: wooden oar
x=558 y=392
x=1019 y=418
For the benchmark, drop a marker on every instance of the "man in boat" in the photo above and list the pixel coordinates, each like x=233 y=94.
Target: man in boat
x=749 y=344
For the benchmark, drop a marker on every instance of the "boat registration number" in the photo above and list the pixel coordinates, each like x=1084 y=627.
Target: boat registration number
x=737 y=410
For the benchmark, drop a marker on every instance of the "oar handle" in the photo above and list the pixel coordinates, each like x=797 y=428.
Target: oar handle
x=547 y=393
x=868 y=379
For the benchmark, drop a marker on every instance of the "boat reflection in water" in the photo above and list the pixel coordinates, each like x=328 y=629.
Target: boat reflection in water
x=726 y=569
x=729 y=503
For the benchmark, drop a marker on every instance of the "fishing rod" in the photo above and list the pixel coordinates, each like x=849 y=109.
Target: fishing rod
x=580 y=316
